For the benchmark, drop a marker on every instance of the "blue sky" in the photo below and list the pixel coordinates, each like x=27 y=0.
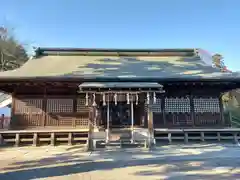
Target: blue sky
x=210 y=24
x=213 y=25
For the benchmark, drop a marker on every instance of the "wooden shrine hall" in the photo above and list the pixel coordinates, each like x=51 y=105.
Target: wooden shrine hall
x=111 y=90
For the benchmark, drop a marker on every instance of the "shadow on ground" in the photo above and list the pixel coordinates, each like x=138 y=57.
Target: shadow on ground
x=152 y=166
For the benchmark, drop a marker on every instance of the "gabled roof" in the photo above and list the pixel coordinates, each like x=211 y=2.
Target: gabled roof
x=69 y=63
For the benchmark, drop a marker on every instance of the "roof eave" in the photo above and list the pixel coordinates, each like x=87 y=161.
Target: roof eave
x=120 y=79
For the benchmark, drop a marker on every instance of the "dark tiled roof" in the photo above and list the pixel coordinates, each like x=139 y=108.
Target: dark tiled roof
x=87 y=63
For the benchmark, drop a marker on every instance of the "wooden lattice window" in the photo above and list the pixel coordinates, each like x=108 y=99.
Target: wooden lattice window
x=177 y=105
x=154 y=107
x=182 y=119
x=26 y=106
x=206 y=105
x=60 y=105
x=81 y=105
x=82 y=120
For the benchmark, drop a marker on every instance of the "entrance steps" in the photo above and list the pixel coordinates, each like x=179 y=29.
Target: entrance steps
x=119 y=144
x=121 y=138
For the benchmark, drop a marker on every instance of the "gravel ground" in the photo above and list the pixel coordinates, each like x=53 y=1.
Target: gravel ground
x=171 y=162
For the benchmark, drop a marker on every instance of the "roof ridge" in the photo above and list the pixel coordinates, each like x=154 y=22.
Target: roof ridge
x=112 y=49
x=41 y=51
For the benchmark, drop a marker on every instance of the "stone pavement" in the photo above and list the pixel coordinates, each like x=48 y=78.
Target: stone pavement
x=171 y=162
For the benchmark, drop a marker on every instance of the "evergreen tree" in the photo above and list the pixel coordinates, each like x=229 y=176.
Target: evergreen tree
x=218 y=62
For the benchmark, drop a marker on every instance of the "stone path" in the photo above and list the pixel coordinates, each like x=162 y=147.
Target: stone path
x=173 y=162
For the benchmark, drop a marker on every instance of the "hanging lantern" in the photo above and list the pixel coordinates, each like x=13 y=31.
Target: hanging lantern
x=154 y=98
x=86 y=99
x=94 y=100
x=115 y=99
x=148 y=98
x=104 y=99
x=136 y=99
x=128 y=99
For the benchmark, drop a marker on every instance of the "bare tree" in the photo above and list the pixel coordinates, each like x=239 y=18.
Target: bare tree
x=12 y=53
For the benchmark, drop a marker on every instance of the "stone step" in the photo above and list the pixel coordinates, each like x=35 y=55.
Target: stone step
x=126 y=143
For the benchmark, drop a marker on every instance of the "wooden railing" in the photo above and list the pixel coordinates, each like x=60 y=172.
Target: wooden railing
x=41 y=137
x=197 y=135
x=74 y=136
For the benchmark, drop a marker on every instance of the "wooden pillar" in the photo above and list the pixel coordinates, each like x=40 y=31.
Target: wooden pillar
x=108 y=120
x=91 y=127
x=17 y=139
x=163 y=110
x=13 y=108
x=219 y=136
x=44 y=117
x=150 y=127
x=222 y=120
x=52 y=139
x=185 y=137
x=192 y=109
x=75 y=98
x=97 y=111
x=169 y=137
x=142 y=111
x=1 y=139
x=35 y=139
x=132 y=122
x=202 y=136
x=90 y=133
x=235 y=137
x=70 y=137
